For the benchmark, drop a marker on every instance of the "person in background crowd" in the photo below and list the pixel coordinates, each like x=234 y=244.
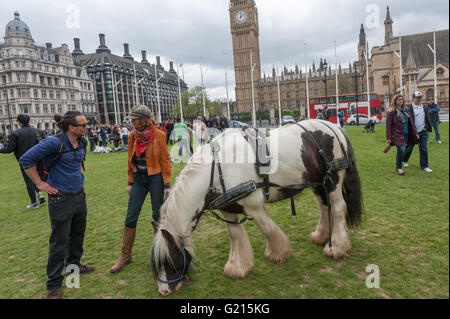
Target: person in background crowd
x=19 y=142
x=326 y=114
x=341 y=116
x=223 y=122
x=181 y=133
x=169 y=128
x=191 y=139
x=422 y=122
x=199 y=128
x=90 y=135
x=218 y=123
x=149 y=171
x=319 y=115
x=67 y=201
x=103 y=135
x=116 y=136
x=434 y=117
x=125 y=134
x=399 y=129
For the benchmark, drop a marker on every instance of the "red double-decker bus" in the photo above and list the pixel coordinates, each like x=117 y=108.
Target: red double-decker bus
x=347 y=103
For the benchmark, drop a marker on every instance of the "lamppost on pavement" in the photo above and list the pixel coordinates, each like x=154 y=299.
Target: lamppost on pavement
x=157 y=79
x=325 y=66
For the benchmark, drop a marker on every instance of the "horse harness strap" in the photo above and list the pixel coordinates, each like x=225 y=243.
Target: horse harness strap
x=241 y=191
x=183 y=272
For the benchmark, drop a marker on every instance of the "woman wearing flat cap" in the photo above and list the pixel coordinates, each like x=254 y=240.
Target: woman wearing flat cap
x=149 y=171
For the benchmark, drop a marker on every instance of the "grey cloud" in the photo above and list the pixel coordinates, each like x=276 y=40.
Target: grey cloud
x=184 y=30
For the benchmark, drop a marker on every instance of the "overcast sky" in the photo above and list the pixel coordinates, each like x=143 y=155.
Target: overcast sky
x=185 y=30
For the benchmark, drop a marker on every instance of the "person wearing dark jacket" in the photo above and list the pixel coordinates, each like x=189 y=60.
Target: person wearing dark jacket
x=434 y=117
x=19 y=142
x=422 y=122
x=400 y=129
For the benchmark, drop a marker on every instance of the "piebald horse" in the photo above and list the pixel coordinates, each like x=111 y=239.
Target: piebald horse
x=295 y=160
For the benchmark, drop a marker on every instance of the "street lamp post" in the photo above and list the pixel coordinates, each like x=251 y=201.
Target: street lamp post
x=114 y=95
x=253 y=88
x=435 y=65
x=325 y=66
x=9 y=114
x=179 y=94
x=157 y=78
x=356 y=96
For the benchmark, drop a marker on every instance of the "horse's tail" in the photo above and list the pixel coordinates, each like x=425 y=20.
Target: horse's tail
x=352 y=188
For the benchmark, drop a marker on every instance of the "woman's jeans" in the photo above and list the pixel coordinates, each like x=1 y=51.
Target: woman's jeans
x=144 y=184
x=401 y=153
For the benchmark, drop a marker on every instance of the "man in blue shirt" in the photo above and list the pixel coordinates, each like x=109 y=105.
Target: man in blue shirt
x=434 y=117
x=63 y=156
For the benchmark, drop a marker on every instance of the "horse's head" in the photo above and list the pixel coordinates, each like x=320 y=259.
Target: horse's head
x=170 y=260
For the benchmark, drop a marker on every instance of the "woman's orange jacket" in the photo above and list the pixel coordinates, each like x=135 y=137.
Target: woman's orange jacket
x=156 y=154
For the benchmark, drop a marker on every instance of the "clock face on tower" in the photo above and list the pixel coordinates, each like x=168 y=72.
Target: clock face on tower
x=241 y=17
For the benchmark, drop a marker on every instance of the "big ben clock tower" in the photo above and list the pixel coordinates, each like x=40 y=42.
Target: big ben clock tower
x=245 y=35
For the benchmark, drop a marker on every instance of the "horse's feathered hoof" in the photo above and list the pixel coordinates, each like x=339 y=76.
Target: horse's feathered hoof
x=233 y=270
x=336 y=252
x=319 y=239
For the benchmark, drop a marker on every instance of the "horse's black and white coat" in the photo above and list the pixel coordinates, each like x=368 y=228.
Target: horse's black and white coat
x=295 y=160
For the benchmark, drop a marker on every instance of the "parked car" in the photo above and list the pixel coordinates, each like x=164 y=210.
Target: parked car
x=237 y=124
x=363 y=119
x=287 y=119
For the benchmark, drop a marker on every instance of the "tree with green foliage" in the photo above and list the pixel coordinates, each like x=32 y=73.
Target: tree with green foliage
x=192 y=104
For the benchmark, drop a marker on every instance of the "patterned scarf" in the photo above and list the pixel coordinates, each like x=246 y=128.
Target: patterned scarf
x=402 y=114
x=143 y=139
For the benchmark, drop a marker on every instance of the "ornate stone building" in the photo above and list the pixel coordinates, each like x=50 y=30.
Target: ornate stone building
x=115 y=82
x=417 y=63
x=245 y=38
x=40 y=80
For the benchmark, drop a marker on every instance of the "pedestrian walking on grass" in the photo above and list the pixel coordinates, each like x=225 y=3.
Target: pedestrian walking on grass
x=399 y=129
x=434 y=117
x=64 y=156
x=149 y=171
x=182 y=135
x=19 y=142
x=422 y=122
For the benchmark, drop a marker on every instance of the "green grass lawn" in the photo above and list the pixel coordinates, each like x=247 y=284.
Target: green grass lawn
x=405 y=231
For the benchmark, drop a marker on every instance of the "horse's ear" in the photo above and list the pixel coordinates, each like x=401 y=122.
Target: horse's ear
x=155 y=225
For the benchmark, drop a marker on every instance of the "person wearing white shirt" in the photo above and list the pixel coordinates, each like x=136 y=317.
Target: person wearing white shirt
x=423 y=125
x=125 y=133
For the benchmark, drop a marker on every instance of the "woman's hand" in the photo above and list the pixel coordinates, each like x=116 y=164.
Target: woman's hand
x=417 y=136
x=129 y=189
x=167 y=192
x=388 y=141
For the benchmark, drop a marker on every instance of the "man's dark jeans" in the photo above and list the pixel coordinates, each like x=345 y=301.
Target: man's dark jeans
x=68 y=221
x=436 y=131
x=31 y=187
x=423 y=149
x=144 y=184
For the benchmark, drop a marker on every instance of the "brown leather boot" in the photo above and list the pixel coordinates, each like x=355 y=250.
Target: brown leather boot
x=125 y=258
x=54 y=293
